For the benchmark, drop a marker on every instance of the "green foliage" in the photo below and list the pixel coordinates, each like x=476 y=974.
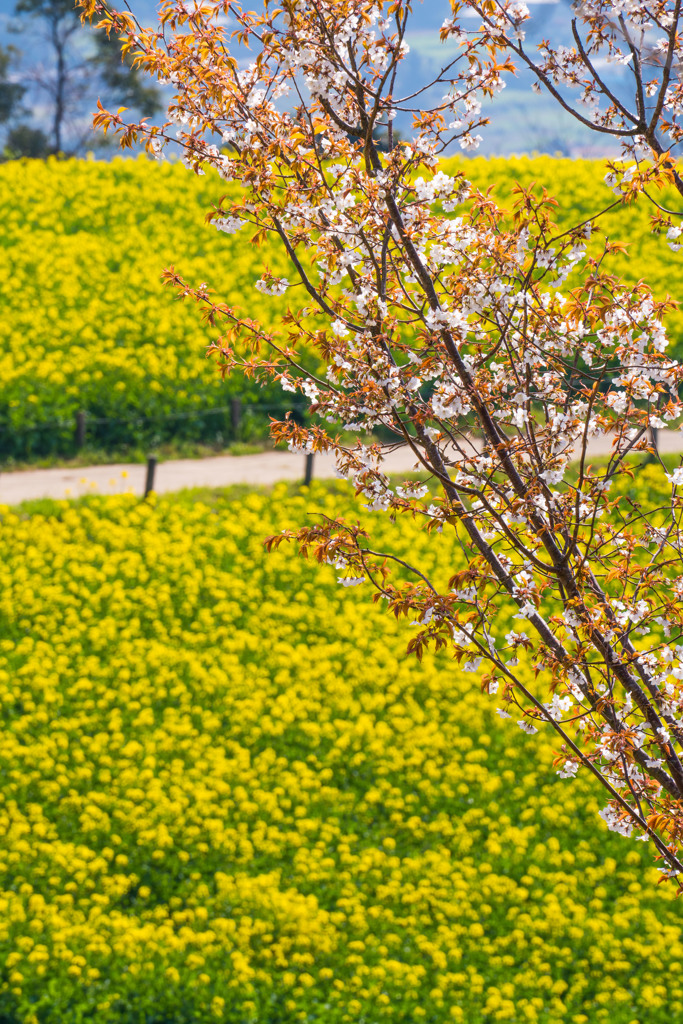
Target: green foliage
x=51 y=10
x=26 y=141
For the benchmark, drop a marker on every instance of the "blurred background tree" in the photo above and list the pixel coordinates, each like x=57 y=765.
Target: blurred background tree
x=11 y=93
x=61 y=82
x=60 y=76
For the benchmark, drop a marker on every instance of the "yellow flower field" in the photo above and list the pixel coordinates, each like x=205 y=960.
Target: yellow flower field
x=87 y=324
x=228 y=796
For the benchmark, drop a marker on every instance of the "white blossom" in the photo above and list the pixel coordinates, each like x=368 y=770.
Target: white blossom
x=527 y=727
x=568 y=770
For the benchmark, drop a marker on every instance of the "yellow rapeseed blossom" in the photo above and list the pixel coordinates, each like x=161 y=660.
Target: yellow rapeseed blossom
x=87 y=324
x=228 y=796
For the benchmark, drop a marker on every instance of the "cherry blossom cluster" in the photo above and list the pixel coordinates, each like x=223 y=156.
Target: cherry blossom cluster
x=490 y=343
x=641 y=108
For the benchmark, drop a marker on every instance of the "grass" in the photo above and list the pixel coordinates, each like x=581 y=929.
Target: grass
x=179 y=449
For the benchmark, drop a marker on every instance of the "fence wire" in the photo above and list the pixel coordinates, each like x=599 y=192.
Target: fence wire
x=65 y=436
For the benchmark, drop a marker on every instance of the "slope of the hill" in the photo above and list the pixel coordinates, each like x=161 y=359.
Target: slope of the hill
x=87 y=324
x=227 y=795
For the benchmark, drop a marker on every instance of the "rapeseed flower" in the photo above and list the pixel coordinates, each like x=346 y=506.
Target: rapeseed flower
x=229 y=796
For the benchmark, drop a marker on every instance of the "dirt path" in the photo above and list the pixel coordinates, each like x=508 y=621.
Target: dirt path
x=175 y=475
x=221 y=471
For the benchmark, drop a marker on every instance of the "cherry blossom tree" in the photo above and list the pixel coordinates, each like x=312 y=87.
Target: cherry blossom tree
x=493 y=344
x=641 y=110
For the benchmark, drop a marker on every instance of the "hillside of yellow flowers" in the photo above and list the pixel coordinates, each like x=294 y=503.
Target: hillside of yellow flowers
x=228 y=796
x=87 y=324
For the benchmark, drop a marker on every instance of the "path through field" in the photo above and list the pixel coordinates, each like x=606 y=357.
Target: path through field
x=263 y=469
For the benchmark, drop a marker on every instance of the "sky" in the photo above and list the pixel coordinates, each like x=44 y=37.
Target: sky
x=521 y=122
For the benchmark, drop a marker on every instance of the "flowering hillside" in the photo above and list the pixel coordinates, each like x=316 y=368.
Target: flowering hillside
x=229 y=796
x=87 y=324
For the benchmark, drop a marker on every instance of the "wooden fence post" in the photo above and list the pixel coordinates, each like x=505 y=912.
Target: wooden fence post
x=151 y=468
